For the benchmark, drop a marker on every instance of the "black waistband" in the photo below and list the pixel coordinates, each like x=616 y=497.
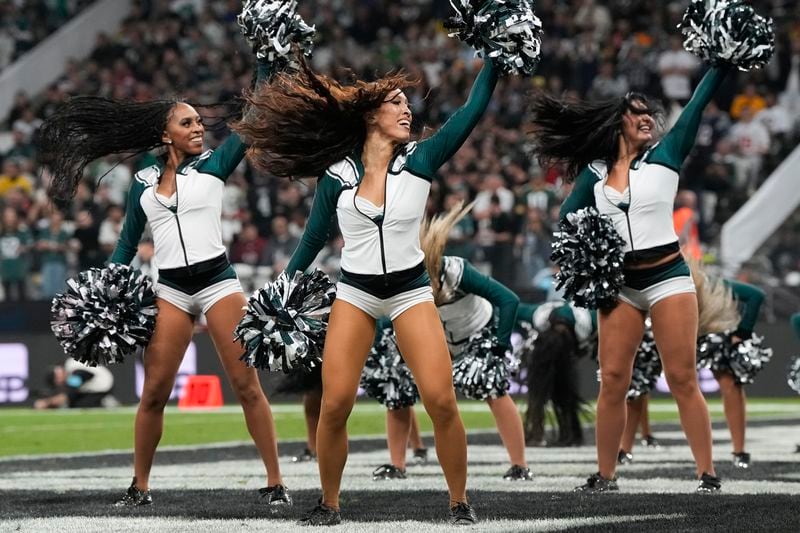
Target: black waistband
x=204 y=270
x=649 y=255
x=642 y=278
x=390 y=284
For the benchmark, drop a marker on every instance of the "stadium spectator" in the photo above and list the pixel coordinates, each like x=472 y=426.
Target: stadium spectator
x=752 y=141
x=52 y=248
x=677 y=66
x=749 y=99
x=15 y=255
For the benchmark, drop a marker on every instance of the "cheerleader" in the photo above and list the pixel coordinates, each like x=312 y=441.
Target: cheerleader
x=375 y=180
x=609 y=152
x=181 y=197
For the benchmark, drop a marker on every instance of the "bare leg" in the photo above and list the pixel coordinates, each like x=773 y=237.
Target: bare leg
x=421 y=339
x=311 y=406
x=415 y=437
x=509 y=425
x=734 y=402
x=161 y=362
x=675 y=331
x=222 y=319
x=645 y=416
x=621 y=330
x=347 y=344
x=632 y=422
x=398 y=429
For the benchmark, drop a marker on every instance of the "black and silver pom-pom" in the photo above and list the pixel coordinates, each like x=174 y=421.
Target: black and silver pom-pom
x=285 y=322
x=793 y=377
x=744 y=360
x=105 y=314
x=507 y=31
x=728 y=31
x=481 y=372
x=386 y=377
x=272 y=26
x=588 y=252
x=646 y=365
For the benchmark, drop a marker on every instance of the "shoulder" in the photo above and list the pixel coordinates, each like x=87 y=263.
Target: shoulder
x=344 y=173
x=197 y=162
x=452 y=271
x=147 y=177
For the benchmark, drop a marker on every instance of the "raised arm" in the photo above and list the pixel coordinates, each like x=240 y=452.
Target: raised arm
x=318 y=227
x=224 y=160
x=132 y=228
x=434 y=151
x=678 y=142
x=750 y=299
x=500 y=296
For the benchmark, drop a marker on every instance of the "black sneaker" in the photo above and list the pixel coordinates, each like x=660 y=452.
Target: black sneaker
x=462 y=514
x=709 y=484
x=134 y=497
x=650 y=442
x=597 y=483
x=321 y=515
x=624 y=458
x=518 y=473
x=420 y=456
x=388 y=472
x=306 y=457
x=276 y=496
x=741 y=460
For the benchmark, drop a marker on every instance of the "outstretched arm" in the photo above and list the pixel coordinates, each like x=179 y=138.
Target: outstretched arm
x=678 y=142
x=500 y=296
x=224 y=160
x=434 y=151
x=749 y=299
x=582 y=194
x=318 y=226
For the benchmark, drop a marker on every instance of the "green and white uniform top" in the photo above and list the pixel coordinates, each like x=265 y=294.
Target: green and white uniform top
x=384 y=240
x=583 y=321
x=642 y=214
x=470 y=300
x=187 y=227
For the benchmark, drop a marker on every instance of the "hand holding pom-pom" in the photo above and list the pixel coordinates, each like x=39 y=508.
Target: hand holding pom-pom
x=105 y=314
x=273 y=26
x=285 y=322
x=505 y=31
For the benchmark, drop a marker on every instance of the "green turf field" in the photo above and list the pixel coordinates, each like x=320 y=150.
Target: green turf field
x=29 y=432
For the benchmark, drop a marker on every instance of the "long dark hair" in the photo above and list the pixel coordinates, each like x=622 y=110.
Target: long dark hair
x=300 y=123
x=573 y=133
x=86 y=128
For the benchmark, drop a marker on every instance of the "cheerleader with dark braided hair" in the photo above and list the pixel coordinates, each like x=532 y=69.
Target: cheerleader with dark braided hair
x=181 y=197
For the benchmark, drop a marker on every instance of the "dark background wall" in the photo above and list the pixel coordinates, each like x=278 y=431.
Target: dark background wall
x=23 y=330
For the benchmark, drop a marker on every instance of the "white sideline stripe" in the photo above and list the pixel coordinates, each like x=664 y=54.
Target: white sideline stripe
x=183 y=525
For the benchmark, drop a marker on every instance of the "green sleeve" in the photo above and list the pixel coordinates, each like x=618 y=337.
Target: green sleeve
x=795 y=320
x=525 y=314
x=132 y=228
x=224 y=160
x=434 y=151
x=582 y=194
x=318 y=226
x=500 y=296
x=749 y=299
x=678 y=142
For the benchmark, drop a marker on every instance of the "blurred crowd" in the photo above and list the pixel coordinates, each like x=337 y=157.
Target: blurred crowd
x=25 y=23
x=590 y=49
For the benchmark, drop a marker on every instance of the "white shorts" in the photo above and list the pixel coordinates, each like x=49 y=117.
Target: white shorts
x=376 y=307
x=201 y=301
x=647 y=298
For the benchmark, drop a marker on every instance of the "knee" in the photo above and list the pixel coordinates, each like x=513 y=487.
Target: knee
x=248 y=391
x=335 y=409
x=155 y=396
x=682 y=382
x=441 y=406
x=614 y=383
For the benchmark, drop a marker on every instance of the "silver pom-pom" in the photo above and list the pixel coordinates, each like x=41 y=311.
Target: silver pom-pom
x=285 y=322
x=272 y=26
x=481 y=371
x=105 y=314
x=728 y=32
x=588 y=252
x=744 y=359
x=386 y=376
x=507 y=31
x=646 y=365
x=793 y=377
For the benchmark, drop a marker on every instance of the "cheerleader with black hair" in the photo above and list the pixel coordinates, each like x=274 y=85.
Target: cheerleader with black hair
x=181 y=197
